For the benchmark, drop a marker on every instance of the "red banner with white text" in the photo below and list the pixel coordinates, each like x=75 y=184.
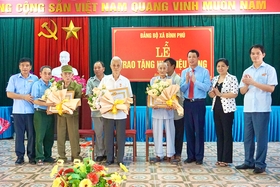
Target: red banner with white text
x=49 y=8
x=142 y=48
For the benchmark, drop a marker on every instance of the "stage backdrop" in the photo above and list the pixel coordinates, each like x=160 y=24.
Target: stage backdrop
x=142 y=48
x=233 y=37
x=53 y=35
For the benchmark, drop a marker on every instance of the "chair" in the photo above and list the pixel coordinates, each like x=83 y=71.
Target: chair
x=131 y=132
x=86 y=124
x=149 y=133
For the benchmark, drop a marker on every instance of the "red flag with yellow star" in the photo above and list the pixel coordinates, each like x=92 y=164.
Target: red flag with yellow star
x=53 y=35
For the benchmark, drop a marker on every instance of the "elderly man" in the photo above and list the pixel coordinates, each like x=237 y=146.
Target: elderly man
x=110 y=120
x=69 y=122
x=96 y=117
x=43 y=121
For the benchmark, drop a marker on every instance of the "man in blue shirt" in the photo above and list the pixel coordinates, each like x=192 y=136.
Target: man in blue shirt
x=257 y=83
x=195 y=84
x=43 y=120
x=19 y=89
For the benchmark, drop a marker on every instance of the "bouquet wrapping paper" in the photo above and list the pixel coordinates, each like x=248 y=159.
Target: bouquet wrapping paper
x=108 y=104
x=63 y=104
x=168 y=96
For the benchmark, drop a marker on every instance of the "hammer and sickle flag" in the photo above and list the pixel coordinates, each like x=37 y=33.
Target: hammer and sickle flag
x=52 y=34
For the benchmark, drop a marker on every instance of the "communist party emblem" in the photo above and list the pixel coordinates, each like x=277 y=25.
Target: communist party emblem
x=71 y=30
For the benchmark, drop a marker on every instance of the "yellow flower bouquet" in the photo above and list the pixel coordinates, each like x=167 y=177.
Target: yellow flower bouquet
x=87 y=174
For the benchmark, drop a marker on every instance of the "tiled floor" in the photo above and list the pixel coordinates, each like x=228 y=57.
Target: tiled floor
x=144 y=174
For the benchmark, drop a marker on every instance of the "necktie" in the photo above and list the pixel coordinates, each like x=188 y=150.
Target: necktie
x=191 y=86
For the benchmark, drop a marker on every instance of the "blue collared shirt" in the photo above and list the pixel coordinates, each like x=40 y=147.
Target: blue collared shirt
x=20 y=85
x=201 y=86
x=38 y=90
x=257 y=100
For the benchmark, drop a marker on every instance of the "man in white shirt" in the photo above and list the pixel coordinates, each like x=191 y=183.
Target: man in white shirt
x=110 y=120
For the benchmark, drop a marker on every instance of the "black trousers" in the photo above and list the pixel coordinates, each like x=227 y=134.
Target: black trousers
x=194 y=117
x=179 y=136
x=24 y=123
x=223 y=124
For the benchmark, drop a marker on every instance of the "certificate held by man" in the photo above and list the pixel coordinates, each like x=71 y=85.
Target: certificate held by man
x=114 y=100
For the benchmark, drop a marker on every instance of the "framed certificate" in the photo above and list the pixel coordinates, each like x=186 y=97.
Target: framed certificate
x=119 y=93
x=69 y=95
x=151 y=102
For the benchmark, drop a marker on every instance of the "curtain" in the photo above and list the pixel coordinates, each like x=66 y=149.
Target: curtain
x=46 y=50
x=16 y=41
x=233 y=36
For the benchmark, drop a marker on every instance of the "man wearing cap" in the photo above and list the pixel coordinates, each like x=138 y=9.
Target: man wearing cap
x=66 y=122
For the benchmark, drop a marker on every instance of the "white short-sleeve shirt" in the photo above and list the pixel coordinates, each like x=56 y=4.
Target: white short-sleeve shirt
x=110 y=83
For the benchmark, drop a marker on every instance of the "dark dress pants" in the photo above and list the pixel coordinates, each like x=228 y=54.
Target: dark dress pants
x=24 y=123
x=194 y=114
x=109 y=128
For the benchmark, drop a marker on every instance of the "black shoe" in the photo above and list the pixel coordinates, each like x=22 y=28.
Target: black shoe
x=100 y=158
x=199 y=162
x=49 y=160
x=189 y=160
x=19 y=161
x=108 y=163
x=244 y=166
x=32 y=162
x=258 y=170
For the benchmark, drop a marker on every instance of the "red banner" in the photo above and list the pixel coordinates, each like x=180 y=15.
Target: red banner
x=142 y=48
x=48 y=8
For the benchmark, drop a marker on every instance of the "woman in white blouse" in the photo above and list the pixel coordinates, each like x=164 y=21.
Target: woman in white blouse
x=224 y=91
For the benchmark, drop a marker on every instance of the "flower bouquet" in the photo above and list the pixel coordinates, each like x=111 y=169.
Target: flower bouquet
x=94 y=99
x=168 y=96
x=157 y=87
x=64 y=100
x=53 y=88
x=87 y=174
